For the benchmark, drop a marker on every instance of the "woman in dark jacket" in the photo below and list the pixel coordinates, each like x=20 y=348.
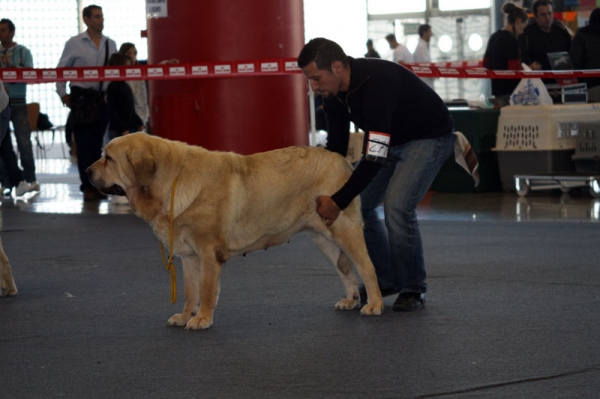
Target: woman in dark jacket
x=503 y=53
x=123 y=119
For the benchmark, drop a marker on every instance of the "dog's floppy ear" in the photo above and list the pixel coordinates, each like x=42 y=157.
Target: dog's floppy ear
x=144 y=166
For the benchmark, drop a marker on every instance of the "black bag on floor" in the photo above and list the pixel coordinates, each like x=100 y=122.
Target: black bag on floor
x=43 y=122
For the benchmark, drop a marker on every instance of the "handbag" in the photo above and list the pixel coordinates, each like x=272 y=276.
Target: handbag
x=86 y=103
x=85 y=107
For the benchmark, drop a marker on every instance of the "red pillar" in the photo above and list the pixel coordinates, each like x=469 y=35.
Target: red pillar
x=244 y=115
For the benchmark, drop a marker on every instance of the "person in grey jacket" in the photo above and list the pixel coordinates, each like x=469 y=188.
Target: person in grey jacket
x=15 y=55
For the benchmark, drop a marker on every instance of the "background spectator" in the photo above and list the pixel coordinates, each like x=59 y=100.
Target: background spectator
x=543 y=35
x=422 y=53
x=138 y=87
x=371 y=52
x=585 y=52
x=119 y=96
x=90 y=48
x=502 y=52
x=18 y=56
x=401 y=54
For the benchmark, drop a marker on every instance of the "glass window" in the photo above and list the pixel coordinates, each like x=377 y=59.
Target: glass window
x=379 y=7
x=451 y=5
x=343 y=21
x=44 y=26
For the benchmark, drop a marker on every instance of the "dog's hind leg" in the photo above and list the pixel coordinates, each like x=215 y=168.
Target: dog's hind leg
x=7 y=286
x=191 y=284
x=349 y=236
x=343 y=266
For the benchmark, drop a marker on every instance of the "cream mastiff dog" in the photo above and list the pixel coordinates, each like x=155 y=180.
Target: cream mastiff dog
x=225 y=204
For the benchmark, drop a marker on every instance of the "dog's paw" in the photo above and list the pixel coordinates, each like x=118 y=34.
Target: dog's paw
x=11 y=290
x=178 y=319
x=347 y=304
x=372 y=309
x=198 y=323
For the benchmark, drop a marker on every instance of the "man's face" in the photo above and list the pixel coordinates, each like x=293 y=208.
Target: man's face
x=321 y=81
x=96 y=21
x=5 y=34
x=544 y=17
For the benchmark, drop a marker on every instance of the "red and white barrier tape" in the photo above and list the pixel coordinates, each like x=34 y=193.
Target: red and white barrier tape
x=271 y=67
x=191 y=70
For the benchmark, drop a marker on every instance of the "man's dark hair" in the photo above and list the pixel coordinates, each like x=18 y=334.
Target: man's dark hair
x=391 y=37
x=323 y=52
x=424 y=29
x=87 y=11
x=11 y=26
x=369 y=42
x=538 y=3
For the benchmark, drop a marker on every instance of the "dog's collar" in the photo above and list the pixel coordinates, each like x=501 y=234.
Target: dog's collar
x=169 y=266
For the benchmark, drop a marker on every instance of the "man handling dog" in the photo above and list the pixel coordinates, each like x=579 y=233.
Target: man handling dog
x=408 y=137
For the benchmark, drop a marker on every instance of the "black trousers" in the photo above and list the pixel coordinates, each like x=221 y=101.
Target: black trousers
x=89 y=143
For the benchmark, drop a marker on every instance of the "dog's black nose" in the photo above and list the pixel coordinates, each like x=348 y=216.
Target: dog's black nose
x=88 y=172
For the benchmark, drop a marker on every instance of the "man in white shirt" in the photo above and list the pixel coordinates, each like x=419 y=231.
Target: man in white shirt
x=88 y=49
x=422 y=51
x=401 y=54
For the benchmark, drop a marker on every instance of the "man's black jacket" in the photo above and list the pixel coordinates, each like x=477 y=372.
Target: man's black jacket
x=385 y=97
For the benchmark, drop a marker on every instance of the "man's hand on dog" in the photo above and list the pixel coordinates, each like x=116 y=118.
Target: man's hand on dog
x=327 y=209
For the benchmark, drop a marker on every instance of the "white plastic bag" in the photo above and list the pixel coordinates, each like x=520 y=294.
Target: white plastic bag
x=530 y=91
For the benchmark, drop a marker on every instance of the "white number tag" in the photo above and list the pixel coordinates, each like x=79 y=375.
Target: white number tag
x=378 y=144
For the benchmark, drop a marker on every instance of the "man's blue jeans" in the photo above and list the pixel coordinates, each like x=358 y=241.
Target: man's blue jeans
x=20 y=121
x=396 y=248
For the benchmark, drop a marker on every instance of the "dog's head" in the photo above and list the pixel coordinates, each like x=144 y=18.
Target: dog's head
x=128 y=163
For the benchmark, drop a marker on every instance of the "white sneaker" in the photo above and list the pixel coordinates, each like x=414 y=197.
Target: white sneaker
x=25 y=187
x=119 y=200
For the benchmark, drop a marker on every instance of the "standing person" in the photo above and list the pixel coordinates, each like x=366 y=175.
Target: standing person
x=585 y=52
x=138 y=87
x=400 y=53
x=422 y=53
x=545 y=35
x=4 y=126
x=90 y=48
x=371 y=52
x=502 y=52
x=11 y=176
x=408 y=137
x=18 y=56
x=119 y=96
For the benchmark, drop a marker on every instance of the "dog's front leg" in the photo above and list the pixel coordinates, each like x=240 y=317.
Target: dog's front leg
x=191 y=281
x=210 y=276
x=7 y=283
